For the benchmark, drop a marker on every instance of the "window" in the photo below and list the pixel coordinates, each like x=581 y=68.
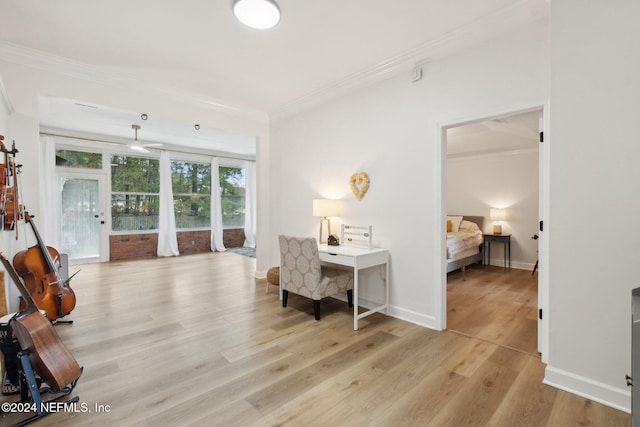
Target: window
x=191 y=194
x=78 y=159
x=135 y=193
x=232 y=190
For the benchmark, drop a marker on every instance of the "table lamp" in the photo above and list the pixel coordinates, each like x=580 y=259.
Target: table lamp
x=325 y=208
x=497 y=215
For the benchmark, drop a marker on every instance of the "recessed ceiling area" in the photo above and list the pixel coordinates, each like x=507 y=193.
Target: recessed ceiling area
x=510 y=133
x=85 y=118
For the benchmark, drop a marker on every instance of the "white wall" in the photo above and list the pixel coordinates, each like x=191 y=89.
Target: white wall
x=595 y=195
x=510 y=180
x=390 y=131
x=4 y=118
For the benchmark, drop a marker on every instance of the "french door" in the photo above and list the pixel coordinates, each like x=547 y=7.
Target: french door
x=83 y=229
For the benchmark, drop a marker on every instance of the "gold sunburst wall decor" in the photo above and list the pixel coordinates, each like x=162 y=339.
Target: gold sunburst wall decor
x=359 y=183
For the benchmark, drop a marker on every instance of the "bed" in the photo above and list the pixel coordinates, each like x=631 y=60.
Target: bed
x=464 y=241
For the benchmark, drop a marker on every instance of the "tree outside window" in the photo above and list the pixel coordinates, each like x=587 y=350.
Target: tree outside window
x=135 y=193
x=232 y=194
x=78 y=159
x=191 y=194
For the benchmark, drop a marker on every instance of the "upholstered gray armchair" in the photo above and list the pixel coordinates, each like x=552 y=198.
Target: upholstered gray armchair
x=302 y=274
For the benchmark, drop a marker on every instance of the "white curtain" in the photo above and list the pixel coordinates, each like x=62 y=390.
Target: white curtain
x=167 y=235
x=250 y=205
x=216 y=207
x=51 y=196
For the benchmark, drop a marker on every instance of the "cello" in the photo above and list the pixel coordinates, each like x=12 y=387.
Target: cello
x=39 y=268
x=48 y=355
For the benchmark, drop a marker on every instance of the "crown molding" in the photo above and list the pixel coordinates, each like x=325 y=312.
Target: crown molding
x=482 y=29
x=517 y=14
x=5 y=97
x=43 y=61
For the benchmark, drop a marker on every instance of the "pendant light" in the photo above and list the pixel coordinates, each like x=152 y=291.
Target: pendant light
x=258 y=14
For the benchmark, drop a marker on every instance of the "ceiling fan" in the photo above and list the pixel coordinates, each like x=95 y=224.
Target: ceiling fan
x=137 y=145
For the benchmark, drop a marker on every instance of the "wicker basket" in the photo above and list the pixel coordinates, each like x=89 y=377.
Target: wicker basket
x=273 y=276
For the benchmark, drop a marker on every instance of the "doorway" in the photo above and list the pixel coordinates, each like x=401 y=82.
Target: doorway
x=83 y=228
x=492 y=157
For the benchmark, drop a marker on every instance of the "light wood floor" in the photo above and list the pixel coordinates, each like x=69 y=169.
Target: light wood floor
x=496 y=305
x=195 y=341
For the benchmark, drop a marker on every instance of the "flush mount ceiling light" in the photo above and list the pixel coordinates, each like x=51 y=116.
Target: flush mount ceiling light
x=259 y=14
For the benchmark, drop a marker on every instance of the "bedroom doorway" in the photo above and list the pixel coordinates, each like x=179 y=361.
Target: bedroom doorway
x=496 y=162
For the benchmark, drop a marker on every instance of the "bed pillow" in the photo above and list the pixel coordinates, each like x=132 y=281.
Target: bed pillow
x=455 y=223
x=449 y=226
x=468 y=226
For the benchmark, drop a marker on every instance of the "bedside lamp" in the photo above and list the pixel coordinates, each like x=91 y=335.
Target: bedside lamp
x=325 y=208
x=497 y=215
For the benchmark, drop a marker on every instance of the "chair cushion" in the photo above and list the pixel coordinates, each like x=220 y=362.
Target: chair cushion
x=334 y=280
x=301 y=273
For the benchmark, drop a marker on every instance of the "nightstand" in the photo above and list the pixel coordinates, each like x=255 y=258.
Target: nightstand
x=505 y=239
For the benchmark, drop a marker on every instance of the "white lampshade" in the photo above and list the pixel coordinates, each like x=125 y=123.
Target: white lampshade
x=259 y=14
x=498 y=214
x=326 y=207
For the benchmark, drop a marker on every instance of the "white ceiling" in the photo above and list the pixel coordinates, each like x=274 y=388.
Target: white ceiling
x=513 y=133
x=198 y=50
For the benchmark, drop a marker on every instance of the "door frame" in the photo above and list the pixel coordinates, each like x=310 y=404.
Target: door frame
x=543 y=212
x=101 y=177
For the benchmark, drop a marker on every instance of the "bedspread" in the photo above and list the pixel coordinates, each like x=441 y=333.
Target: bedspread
x=461 y=241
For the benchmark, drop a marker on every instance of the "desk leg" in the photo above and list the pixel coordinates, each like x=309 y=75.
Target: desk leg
x=387 y=286
x=355 y=299
x=505 y=255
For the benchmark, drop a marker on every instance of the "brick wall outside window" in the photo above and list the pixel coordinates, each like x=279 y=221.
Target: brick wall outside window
x=135 y=246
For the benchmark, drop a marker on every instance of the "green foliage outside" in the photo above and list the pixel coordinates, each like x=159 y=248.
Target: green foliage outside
x=191 y=183
x=232 y=193
x=78 y=159
x=135 y=188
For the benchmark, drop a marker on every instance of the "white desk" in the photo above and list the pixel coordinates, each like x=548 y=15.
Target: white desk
x=358 y=258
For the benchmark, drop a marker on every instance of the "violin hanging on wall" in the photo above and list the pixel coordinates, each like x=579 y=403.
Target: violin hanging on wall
x=11 y=211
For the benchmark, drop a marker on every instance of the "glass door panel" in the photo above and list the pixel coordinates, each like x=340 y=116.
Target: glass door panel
x=81 y=219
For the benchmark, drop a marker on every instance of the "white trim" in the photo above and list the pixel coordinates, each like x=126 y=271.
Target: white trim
x=440 y=232
x=394 y=311
x=5 y=97
x=105 y=211
x=440 y=214
x=543 y=243
x=516 y=265
x=414 y=317
x=582 y=386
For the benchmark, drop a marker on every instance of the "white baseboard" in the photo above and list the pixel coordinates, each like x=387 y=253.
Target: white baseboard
x=598 y=392
x=398 y=313
x=413 y=317
x=514 y=264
